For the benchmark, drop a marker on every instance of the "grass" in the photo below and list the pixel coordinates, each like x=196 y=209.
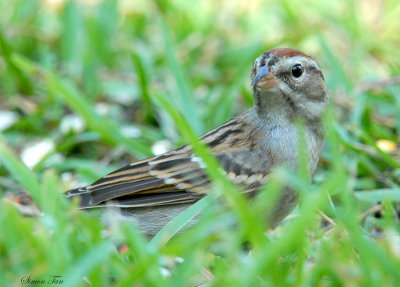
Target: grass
x=173 y=70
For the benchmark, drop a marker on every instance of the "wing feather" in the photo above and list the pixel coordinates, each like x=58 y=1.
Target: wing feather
x=178 y=176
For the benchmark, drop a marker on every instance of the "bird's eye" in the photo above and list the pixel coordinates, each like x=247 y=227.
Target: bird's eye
x=297 y=70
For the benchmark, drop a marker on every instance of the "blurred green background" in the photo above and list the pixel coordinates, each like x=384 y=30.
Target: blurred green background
x=78 y=88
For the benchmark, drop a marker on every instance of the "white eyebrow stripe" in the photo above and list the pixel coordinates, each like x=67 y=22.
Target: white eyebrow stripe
x=300 y=60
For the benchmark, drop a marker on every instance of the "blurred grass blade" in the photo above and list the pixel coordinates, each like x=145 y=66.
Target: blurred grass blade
x=71 y=38
x=19 y=171
x=53 y=201
x=6 y=53
x=222 y=110
x=179 y=222
x=370 y=252
x=186 y=102
x=90 y=260
x=338 y=76
x=189 y=136
x=386 y=157
x=143 y=81
x=77 y=102
x=147 y=260
x=293 y=234
x=378 y=195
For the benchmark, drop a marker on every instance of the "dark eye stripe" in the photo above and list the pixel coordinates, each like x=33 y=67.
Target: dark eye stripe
x=314 y=69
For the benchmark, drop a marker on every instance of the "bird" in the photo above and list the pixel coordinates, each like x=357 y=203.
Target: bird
x=287 y=85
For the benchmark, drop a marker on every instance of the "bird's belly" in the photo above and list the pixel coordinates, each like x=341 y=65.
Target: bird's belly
x=149 y=220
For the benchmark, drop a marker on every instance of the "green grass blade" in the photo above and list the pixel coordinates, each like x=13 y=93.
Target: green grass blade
x=186 y=102
x=378 y=195
x=95 y=257
x=19 y=171
x=77 y=102
x=178 y=223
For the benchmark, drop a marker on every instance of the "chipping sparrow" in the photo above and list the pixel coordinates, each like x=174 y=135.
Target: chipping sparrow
x=287 y=85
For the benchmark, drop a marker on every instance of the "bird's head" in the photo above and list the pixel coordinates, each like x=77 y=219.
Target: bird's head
x=291 y=79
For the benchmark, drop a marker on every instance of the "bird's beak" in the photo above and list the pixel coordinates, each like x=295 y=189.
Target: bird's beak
x=264 y=79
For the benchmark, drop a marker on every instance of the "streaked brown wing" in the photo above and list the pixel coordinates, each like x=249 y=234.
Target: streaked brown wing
x=177 y=176
x=245 y=168
x=167 y=179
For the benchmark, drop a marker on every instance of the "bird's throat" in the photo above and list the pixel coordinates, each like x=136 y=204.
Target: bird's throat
x=273 y=105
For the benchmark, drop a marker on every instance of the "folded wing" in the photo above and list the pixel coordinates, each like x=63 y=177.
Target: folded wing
x=179 y=176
